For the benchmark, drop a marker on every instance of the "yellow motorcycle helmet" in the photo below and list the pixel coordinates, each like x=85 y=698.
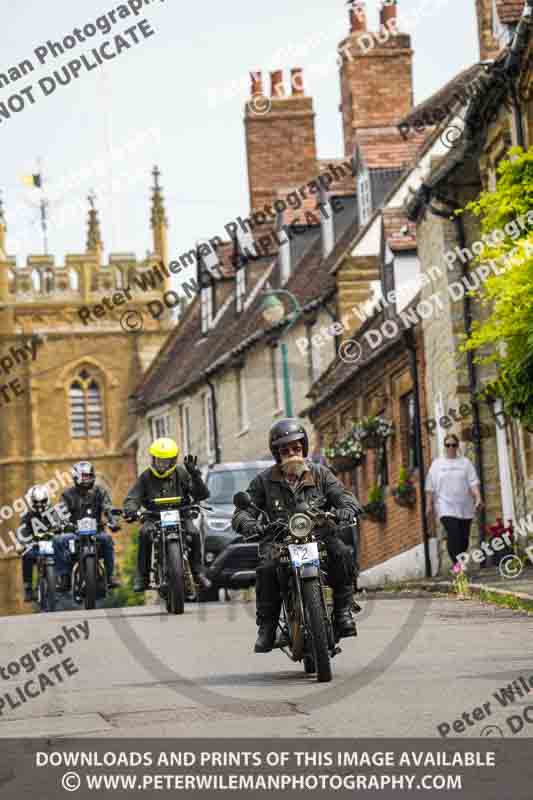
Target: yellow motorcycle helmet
x=164 y=454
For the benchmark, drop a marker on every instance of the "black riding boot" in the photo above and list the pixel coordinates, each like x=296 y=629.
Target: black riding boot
x=342 y=604
x=268 y=607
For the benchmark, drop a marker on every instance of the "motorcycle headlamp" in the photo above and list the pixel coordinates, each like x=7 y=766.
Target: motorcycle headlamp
x=300 y=526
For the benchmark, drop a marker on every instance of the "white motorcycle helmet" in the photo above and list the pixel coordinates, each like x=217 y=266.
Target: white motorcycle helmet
x=39 y=499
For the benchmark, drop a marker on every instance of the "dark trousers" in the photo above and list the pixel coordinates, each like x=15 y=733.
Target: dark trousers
x=458 y=531
x=340 y=571
x=192 y=541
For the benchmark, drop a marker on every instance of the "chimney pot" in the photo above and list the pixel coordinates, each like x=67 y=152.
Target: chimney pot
x=388 y=11
x=297 y=82
x=276 y=83
x=257 y=83
x=358 y=17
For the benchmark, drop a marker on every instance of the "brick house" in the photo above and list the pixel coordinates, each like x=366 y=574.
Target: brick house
x=503 y=454
x=216 y=384
x=386 y=335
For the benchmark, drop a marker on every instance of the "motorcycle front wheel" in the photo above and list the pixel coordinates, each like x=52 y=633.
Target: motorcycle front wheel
x=47 y=589
x=316 y=622
x=176 y=581
x=90 y=582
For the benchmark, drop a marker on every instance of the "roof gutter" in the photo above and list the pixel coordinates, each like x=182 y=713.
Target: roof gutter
x=496 y=91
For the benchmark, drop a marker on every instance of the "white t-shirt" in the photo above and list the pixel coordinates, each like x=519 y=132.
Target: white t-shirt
x=450 y=480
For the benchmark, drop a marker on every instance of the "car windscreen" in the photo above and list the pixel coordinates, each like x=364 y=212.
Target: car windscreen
x=224 y=484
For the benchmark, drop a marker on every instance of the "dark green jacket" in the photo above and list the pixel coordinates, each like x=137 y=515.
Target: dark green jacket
x=271 y=492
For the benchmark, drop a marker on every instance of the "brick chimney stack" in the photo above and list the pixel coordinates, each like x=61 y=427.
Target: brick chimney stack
x=280 y=137
x=489 y=46
x=358 y=17
x=257 y=83
x=376 y=73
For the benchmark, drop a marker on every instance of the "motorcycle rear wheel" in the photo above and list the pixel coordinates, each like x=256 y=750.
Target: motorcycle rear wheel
x=316 y=623
x=176 y=580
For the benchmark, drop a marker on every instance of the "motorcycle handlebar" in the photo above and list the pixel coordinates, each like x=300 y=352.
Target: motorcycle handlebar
x=151 y=514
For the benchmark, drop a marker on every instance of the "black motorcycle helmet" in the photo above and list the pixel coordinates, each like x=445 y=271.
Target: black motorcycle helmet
x=285 y=431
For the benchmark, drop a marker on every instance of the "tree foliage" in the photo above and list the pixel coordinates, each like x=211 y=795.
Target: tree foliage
x=507 y=333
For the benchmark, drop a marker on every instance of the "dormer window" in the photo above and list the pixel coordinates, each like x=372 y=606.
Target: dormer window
x=364 y=197
x=240 y=288
x=326 y=222
x=206 y=308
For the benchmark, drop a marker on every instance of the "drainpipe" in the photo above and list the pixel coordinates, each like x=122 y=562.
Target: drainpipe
x=471 y=367
x=410 y=343
x=208 y=381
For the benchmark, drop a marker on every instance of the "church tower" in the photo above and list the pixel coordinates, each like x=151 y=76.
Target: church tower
x=75 y=339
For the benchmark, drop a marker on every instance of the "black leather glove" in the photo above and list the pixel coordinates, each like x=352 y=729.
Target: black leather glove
x=344 y=516
x=256 y=529
x=130 y=516
x=191 y=465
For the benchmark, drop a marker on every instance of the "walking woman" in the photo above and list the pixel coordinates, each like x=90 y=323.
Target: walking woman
x=452 y=488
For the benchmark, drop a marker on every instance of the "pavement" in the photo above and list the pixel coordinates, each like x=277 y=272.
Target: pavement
x=417 y=663
x=488 y=579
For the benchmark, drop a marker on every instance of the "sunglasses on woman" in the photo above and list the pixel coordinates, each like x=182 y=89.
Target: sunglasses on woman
x=451 y=444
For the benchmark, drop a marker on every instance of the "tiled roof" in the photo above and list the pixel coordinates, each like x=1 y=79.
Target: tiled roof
x=191 y=355
x=444 y=98
x=509 y=11
x=386 y=148
x=341 y=186
x=399 y=232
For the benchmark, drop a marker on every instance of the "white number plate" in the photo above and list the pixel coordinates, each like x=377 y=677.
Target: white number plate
x=304 y=554
x=87 y=526
x=170 y=518
x=46 y=548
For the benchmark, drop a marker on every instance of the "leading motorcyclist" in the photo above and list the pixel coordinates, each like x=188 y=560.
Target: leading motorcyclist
x=165 y=478
x=277 y=490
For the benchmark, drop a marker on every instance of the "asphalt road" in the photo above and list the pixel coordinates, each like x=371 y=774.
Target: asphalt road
x=416 y=664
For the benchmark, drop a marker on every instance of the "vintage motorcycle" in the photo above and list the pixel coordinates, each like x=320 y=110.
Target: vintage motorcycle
x=89 y=578
x=307 y=622
x=170 y=567
x=44 y=555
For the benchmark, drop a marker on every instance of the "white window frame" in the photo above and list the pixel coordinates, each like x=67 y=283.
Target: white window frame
x=206 y=308
x=209 y=414
x=364 y=197
x=242 y=403
x=240 y=287
x=161 y=421
x=185 y=428
x=316 y=360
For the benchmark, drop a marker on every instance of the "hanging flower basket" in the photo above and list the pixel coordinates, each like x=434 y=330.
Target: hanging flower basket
x=372 y=432
x=346 y=454
x=405 y=492
x=406 y=497
x=344 y=463
x=377 y=512
x=375 y=509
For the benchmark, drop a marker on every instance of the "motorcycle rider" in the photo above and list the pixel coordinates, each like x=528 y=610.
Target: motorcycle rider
x=82 y=500
x=165 y=478
x=277 y=490
x=40 y=518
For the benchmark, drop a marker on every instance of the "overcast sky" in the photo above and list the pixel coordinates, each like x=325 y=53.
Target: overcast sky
x=181 y=94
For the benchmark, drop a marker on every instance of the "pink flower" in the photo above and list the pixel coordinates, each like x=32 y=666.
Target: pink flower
x=457 y=568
